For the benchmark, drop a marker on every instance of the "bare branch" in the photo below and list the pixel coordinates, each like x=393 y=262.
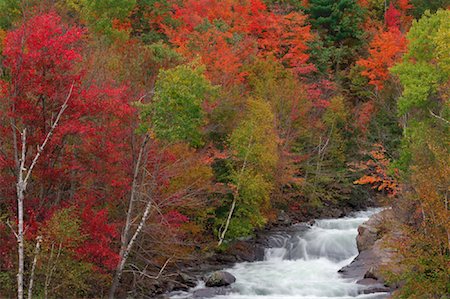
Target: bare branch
x=49 y=135
x=439 y=117
x=33 y=267
x=12 y=228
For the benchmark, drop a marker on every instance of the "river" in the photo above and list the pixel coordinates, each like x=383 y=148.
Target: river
x=303 y=264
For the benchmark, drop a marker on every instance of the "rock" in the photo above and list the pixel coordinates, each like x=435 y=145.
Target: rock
x=373 y=286
x=244 y=251
x=283 y=218
x=220 y=279
x=374 y=253
x=370 y=274
x=225 y=259
x=184 y=282
x=376 y=288
x=367 y=281
x=209 y=292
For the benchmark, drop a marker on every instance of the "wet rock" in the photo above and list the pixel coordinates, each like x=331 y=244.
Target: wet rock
x=367 y=281
x=244 y=251
x=359 y=266
x=225 y=259
x=209 y=292
x=373 y=286
x=184 y=282
x=220 y=279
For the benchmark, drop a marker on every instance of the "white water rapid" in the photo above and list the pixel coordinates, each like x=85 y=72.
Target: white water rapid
x=304 y=264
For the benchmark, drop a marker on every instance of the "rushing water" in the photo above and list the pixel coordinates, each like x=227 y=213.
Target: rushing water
x=304 y=264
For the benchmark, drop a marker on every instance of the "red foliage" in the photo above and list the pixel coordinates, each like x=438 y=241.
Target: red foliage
x=86 y=156
x=385 y=50
x=226 y=34
x=320 y=93
x=175 y=218
x=364 y=115
x=392 y=17
x=97 y=248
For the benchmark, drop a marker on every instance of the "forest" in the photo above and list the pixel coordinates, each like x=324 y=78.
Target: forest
x=141 y=136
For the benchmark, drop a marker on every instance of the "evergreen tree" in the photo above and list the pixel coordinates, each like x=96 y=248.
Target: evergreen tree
x=339 y=25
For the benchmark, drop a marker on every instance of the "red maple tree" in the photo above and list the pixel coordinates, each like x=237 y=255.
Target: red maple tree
x=84 y=163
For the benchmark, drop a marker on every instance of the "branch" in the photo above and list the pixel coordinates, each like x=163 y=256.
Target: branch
x=439 y=117
x=12 y=228
x=33 y=267
x=49 y=135
x=142 y=272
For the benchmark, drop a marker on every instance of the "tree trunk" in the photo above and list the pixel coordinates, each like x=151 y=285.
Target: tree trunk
x=236 y=195
x=33 y=267
x=23 y=175
x=21 y=187
x=124 y=251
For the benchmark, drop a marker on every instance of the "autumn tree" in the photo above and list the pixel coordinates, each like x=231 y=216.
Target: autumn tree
x=60 y=119
x=424 y=74
x=385 y=50
x=174 y=115
x=254 y=147
x=229 y=33
x=287 y=96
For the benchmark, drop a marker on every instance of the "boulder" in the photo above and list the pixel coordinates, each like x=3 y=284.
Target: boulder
x=220 y=279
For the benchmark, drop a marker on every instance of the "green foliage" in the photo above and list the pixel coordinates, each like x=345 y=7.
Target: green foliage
x=254 y=140
x=163 y=54
x=420 y=73
x=59 y=272
x=424 y=160
x=339 y=24
x=147 y=18
x=254 y=147
x=176 y=112
x=359 y=84
x=326 y=174
x=336 y=119
x=421 y=6
x=288 y=5
x=270 y=81
x=425 y=69
x=101 y=14
x=10 y=11
x=320 y=55
x=340 y=20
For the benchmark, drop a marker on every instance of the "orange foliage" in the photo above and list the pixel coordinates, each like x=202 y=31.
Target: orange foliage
x=377 y=167
x=386 y=49
x=229 y=33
